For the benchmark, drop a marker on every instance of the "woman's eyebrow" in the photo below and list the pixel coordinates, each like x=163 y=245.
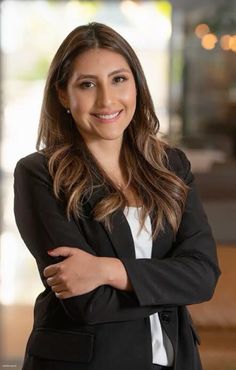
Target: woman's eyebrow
x=83 y=76
x=119 y=71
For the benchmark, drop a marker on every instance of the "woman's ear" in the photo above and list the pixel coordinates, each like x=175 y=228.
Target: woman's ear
x=62 y=96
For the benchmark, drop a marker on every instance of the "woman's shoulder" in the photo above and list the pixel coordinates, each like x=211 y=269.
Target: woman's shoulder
x=33 y=161
x=33 y=164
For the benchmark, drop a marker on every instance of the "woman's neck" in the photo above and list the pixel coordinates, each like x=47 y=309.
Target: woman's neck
x=107 y=154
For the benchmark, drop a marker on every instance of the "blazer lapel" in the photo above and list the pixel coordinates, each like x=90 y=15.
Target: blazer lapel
x=120 y=234
x=163 y=243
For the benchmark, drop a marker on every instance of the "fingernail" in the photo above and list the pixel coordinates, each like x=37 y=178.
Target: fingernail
x=50 y=250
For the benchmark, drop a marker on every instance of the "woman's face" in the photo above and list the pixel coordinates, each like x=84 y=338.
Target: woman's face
x=101 y=95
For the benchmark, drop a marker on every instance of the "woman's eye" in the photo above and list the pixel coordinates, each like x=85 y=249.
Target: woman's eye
x=87 y=84
x=118 y=79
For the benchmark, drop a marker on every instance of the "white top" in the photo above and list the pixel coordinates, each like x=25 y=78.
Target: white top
x=162 y=349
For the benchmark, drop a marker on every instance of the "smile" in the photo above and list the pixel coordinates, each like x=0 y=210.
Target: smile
x=108 y=116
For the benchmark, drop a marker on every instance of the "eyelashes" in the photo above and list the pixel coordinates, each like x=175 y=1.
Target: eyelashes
x=90 y=84
x=86 y=85
x=120 y=79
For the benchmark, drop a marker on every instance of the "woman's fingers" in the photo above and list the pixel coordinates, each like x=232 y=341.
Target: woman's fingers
x=77 y=274
x=62 y=292
x=58 y=267
x=62 y=251
x=58 y=284
x=53 y=280
x=50 y=270
x=58 y=288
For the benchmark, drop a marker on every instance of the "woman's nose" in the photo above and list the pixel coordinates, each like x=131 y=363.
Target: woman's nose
x=104 y=96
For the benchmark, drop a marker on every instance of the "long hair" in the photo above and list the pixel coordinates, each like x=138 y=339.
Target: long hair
x=76 y=173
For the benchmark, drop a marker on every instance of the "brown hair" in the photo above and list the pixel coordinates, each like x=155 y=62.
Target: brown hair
x=76 y=173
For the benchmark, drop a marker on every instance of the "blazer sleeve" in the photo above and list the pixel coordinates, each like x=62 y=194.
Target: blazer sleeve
x=43 y=225
x=190 y=272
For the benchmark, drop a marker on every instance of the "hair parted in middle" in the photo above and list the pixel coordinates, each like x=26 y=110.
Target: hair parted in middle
x=75 y=171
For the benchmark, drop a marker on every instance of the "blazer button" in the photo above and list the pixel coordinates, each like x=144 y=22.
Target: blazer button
x=165 y=317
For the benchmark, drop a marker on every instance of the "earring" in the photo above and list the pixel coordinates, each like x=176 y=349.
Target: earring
x=68 y=111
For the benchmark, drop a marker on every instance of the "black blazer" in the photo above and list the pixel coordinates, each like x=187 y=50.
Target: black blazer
x=108 y=328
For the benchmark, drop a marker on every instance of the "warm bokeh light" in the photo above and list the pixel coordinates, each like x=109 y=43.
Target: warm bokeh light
x=225 y=42
x=228 y=42
x=201 y=30
x=233 y=43
x=209 y=41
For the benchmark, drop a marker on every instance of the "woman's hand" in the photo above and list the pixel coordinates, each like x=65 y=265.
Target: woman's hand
x=79 y=273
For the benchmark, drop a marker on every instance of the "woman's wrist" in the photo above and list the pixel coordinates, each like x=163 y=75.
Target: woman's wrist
x=113 y=273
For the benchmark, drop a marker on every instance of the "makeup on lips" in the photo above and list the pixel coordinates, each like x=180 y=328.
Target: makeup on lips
x=107 y=117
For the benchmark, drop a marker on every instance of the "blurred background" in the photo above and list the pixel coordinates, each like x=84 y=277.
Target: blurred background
x=188 y=52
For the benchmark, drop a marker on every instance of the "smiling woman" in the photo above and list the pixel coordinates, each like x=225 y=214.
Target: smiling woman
x=112 y=216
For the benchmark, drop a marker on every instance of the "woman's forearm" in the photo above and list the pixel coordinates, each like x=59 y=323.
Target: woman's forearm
x=114 y=273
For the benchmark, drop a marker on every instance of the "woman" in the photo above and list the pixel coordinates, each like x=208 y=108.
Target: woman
x=112 y=217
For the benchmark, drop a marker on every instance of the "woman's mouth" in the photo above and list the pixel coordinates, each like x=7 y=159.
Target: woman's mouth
x=107 y=117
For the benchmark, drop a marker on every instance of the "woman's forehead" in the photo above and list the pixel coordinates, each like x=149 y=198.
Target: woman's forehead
x=99 y=59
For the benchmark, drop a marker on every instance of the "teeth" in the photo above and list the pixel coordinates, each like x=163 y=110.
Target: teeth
x=107 y=116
